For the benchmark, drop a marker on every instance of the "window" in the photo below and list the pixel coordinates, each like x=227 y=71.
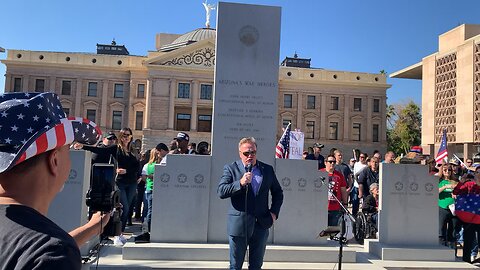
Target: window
x=183 y=121
x=376 y=105
x=39 y=85
x=333 y=131
x=310 y=102
x=206 y=91
x=138 y=120
x=118 y=90
x=287 y=101
x=17 y=85
x=357 y=104
x=141 y=91
x=183 y=90
x=356 y=136
x=204 y=123
x=92 y=115
x=117 y=120
x=66 y=111
x=334 y=103
x=66 y=88
x=310 y=134
x=285 y=122
x=376 y=129
x=92 y=89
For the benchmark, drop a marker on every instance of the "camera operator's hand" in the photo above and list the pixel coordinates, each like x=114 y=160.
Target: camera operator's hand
x=77 y=146
x=121 y=171
x=93 y=227
x=100 y=218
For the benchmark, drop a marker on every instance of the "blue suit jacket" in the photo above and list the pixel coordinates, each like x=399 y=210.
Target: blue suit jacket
x=257 y=205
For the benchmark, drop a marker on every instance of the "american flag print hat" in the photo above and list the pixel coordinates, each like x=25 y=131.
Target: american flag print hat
x=34 y=123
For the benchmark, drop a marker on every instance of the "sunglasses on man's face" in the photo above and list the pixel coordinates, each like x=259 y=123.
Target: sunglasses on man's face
x=362 y=157
x=248 y=153
x=331 y=161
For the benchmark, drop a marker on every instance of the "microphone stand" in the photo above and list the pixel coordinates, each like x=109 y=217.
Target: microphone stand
x=342 y=240
x=248 y=168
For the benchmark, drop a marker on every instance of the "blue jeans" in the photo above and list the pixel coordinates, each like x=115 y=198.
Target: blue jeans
x=354 y=200
x=333 y=217
x=127 y=193
x=147 y=210
x=238 y=247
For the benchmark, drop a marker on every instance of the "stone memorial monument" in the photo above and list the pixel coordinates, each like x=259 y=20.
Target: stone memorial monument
x=408 y=217
x=69 y=209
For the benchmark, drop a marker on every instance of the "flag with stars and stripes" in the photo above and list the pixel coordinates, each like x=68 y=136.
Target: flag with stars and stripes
x=34 y=123
x=467 y=208
x=283 y=147
x=442 y=156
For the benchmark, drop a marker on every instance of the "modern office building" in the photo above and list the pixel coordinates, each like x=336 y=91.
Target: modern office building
x=450 y=91
x=171 y=89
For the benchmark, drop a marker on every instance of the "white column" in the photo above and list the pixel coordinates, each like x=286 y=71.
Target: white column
x=323 y=118
x=52 y=85
x=25 y=84
x=8 y=83
x=299 y=111
x=78 y=98
x=171 y=104
x=148 y=105
x=195 y=94
x=103 y=114
x=346 y=118
x=369 y=126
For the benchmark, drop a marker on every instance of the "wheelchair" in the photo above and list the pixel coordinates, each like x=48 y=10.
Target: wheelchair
x=364 y=227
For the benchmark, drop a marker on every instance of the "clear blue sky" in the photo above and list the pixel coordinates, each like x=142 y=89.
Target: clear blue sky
x=363 y=36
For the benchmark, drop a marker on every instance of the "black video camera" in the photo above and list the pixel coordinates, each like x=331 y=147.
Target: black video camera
x=102 y=196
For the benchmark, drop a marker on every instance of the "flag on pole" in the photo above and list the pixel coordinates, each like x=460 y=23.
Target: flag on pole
x=283 y=145
x=442 y=151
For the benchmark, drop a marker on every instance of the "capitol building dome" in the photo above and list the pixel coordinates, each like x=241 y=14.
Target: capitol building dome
x=189 y=38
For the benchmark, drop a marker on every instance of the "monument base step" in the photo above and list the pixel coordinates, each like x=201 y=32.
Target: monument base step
x=111 y=257
x=220 y=252
x=409 y=253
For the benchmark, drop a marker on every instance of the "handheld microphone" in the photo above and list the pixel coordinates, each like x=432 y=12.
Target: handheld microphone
x=249 y=167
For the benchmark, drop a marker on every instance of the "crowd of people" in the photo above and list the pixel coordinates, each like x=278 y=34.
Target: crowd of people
x=456 y=183
x=134 y=173
x=355 y=184
x=359 y=181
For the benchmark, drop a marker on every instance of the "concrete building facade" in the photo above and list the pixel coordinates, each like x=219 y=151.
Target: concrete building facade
x=171 y=89
x=450 y=91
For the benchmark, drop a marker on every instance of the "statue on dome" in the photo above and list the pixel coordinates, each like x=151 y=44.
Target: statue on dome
x=208 y=9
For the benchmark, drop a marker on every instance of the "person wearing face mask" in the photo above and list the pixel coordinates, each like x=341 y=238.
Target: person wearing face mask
x=248 y=183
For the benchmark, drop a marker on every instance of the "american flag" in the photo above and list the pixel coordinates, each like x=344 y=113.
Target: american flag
x=467 y=208
x=283 y=146
x=442 y=151
x=34 y=123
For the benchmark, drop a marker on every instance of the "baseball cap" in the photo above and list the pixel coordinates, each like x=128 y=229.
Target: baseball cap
x=182 y=136
x=161 y=146
x=319 y=145
x=453 y=161
x=34 y=123
x=111 y=135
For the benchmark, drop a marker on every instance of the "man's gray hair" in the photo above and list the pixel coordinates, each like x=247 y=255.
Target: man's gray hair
x=373 y=185
x=247 y=140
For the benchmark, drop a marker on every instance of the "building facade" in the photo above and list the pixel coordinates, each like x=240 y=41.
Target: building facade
x=171 y=89
x=450 y=91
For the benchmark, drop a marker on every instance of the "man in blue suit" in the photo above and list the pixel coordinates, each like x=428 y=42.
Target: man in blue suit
x=247 y=183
